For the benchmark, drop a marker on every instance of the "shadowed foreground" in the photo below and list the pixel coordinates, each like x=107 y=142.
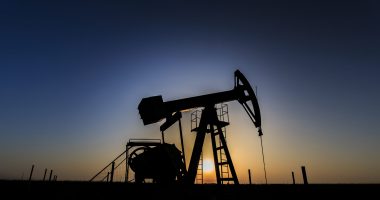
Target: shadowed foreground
x=98 y=190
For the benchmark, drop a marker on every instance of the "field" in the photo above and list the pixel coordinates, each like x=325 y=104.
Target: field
x=100 y=190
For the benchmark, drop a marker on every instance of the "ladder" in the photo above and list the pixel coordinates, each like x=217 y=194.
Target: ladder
x=199 y=177
x=222 y=111
x=225 y=171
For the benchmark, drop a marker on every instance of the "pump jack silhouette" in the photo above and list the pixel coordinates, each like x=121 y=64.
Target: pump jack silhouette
x=153 y=109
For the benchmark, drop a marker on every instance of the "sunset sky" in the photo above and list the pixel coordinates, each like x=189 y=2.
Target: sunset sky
x=72 y=74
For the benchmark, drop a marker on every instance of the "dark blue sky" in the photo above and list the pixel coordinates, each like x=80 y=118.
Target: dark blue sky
x=73 y=73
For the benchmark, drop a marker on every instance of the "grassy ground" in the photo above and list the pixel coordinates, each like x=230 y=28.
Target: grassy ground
x=97 y=190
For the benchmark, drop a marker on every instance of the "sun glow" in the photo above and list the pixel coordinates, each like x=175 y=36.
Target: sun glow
x=208 y=166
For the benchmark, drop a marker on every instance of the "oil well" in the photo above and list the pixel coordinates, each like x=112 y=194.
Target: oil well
x=161 y=162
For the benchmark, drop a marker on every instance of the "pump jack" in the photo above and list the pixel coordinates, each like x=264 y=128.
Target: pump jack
x=153 y=109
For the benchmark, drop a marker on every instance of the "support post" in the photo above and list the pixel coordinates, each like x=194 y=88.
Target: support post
x=44 y=175
x=294 y=181
x=304 y=175
x=197 y=149
x=249 y=176
x=126 y=164
x=182 y=145
x=51 y=172
x=31 y=173
x=112 y=170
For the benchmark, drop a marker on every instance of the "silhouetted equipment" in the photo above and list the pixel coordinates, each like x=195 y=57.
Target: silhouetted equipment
x=150 y=159
x=138 y=157
x=153 y=109
x=139 y=145
x=162 y=164
x=304 y=175
x=170 y=120
x=51 y=173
